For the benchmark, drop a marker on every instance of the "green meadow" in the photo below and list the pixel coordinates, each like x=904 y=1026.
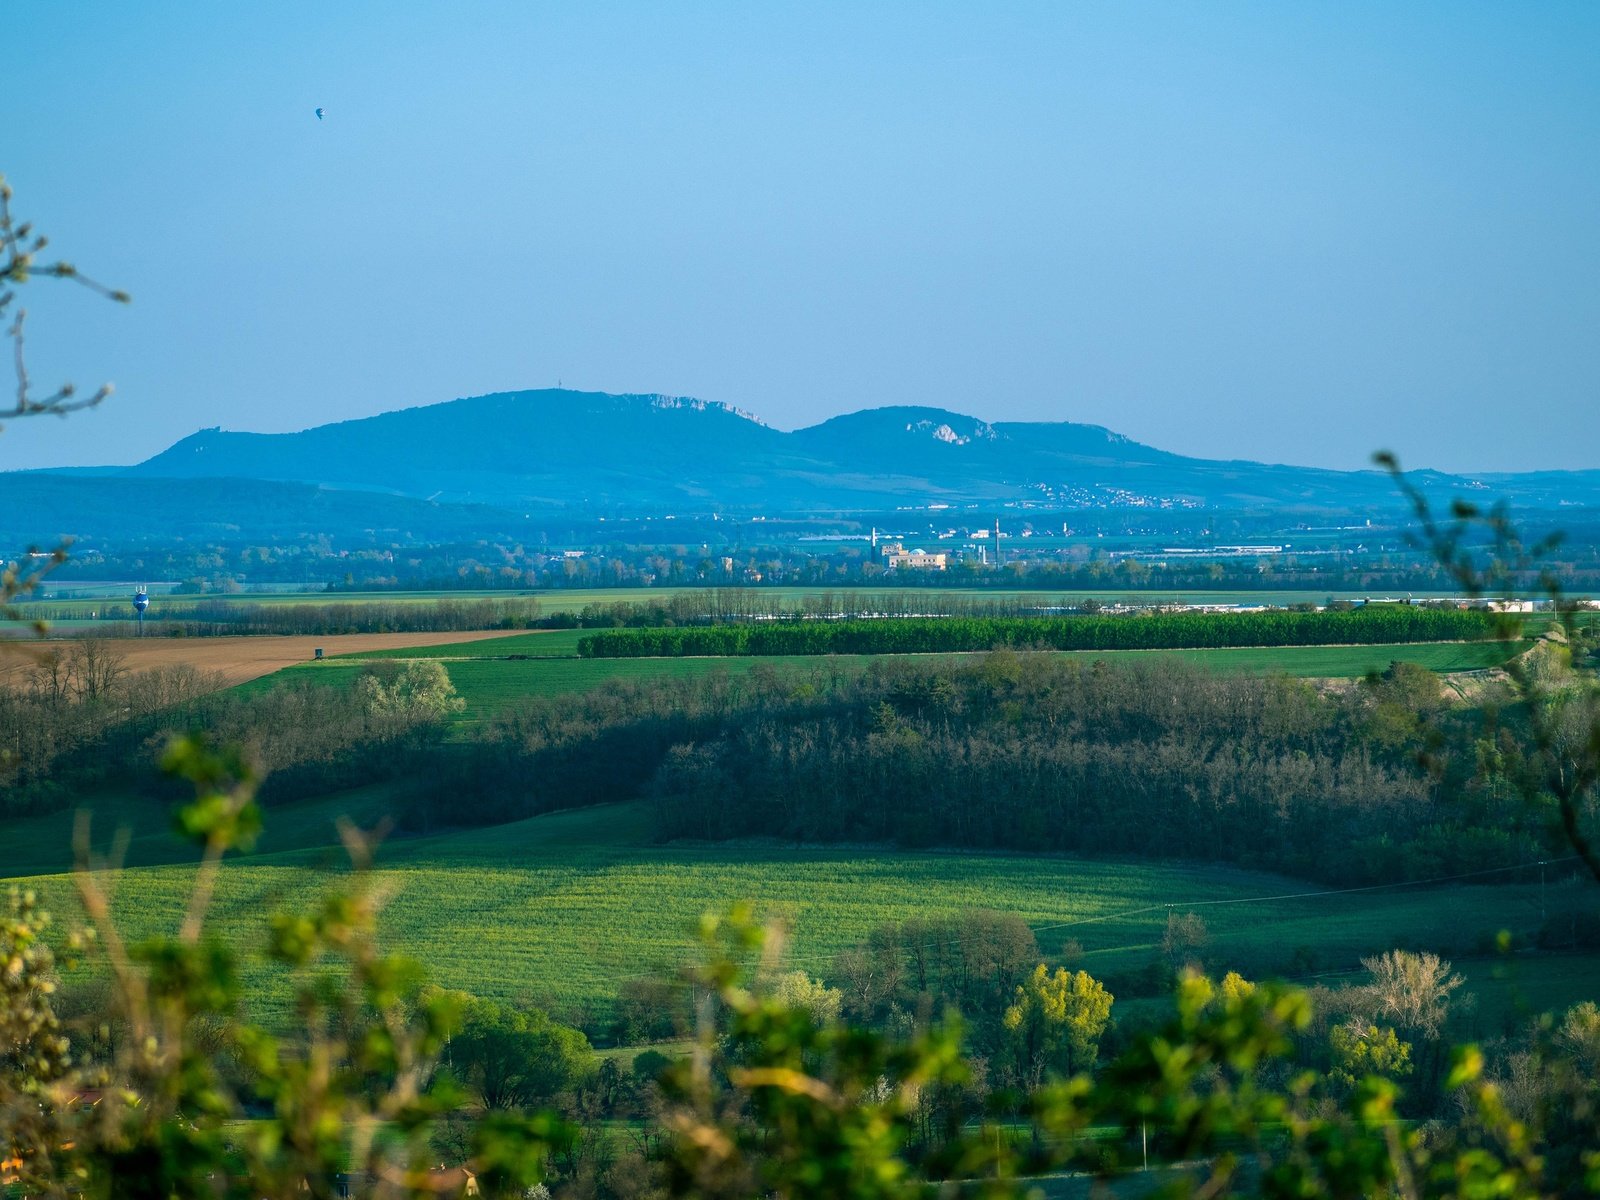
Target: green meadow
x=496 y=672
x=562 y=908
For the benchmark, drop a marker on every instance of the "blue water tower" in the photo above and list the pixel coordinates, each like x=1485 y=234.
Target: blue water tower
x=141 y=601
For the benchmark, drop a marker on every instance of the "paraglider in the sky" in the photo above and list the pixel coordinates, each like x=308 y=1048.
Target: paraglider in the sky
x=319 y=114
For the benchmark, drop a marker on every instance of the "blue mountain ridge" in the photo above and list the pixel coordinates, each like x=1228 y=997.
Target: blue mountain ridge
x=563 y=449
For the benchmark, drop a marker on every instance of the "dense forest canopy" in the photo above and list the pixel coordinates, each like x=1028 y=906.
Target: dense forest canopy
x=1375 y=624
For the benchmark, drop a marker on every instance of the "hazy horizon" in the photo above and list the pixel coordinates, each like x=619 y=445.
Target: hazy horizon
x=1287 y=234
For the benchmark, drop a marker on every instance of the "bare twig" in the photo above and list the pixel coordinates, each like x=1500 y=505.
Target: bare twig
x=20 y=247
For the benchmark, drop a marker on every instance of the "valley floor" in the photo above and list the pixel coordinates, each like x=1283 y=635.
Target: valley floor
x=561 y=909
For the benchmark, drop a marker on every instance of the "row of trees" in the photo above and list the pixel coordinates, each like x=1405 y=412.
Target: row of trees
x=229 y=618
x=1152 y=758
x=76 y=719
x=59 y=699
x=175 y=617
x=1381 y=782
x=992 y=620
x=1150 y=631
x=1010 y=750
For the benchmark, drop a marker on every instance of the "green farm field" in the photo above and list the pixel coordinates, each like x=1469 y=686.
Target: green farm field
x=495 y=672
x=563 y=908
x=1332 y=661
x=544 y=643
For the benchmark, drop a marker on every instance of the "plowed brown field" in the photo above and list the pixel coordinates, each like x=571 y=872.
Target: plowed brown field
x=242 y=658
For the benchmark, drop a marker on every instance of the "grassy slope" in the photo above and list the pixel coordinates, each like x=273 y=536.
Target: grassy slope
x=488 y=681
x=136 y=831
x=543 y=643
x=563 y=907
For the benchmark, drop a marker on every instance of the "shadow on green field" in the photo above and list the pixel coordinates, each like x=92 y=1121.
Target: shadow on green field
x=563 y=907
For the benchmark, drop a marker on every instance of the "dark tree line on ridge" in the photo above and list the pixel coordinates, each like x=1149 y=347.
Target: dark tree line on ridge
x=1386 y=624
x=232 y=618
x=1012 y=750
x=1030 y=752
x=76 y=719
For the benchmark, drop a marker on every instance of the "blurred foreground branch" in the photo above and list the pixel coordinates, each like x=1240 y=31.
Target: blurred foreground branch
x=1490 y=561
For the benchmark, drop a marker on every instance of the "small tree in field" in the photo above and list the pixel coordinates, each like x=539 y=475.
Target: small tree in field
x=420 y=692
x=1183 y=938
x=798 y=990
x=512 y=1059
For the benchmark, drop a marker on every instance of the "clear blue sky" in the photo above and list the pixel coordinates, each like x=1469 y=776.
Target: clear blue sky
x=1286 y=231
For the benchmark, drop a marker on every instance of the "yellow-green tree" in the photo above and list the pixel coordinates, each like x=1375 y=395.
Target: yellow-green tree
x=1361 y=1050
x=1235 y=988
x=1056 y=1022
x=797 y=990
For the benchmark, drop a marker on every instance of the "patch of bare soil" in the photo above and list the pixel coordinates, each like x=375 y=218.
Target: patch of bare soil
x=238 y=659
